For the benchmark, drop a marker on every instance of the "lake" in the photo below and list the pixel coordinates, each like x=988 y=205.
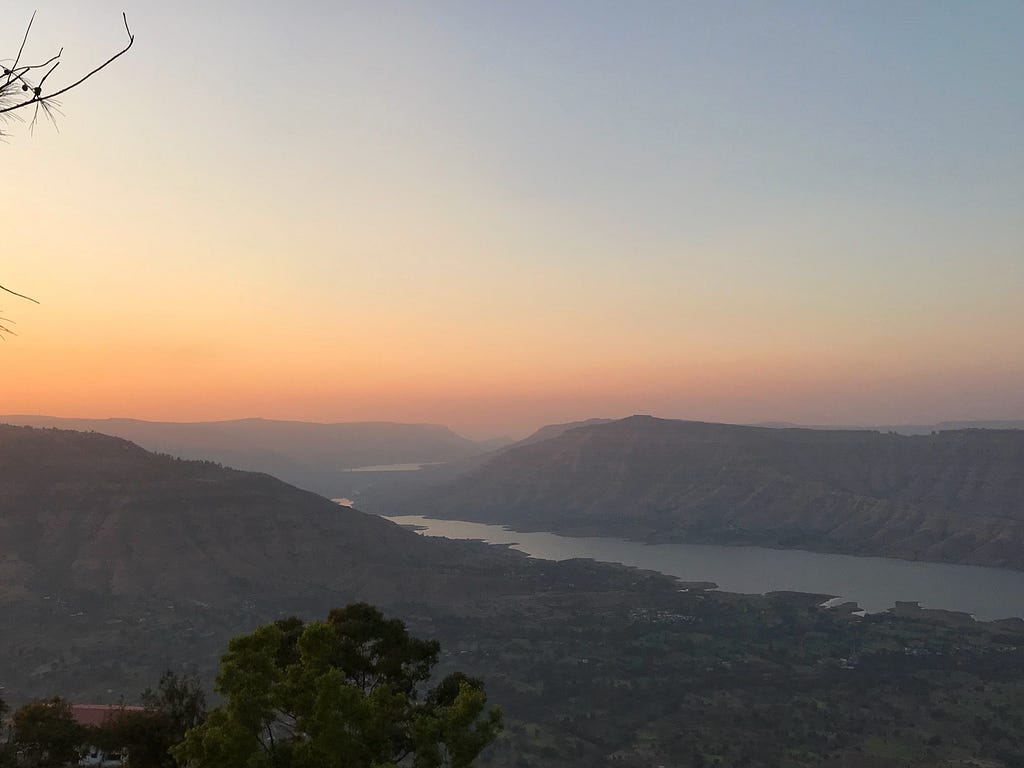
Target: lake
x=414 y=467
x=875 y=583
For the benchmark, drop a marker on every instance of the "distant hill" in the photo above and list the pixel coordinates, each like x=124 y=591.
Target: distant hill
x=116 y=564
x=87 y=514
x=115 y=561
x=554 y=430
x=310 y=455
x=956 y=496
x=399 y=492
x=904 y=429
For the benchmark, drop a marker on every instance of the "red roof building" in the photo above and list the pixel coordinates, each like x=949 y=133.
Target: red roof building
x=98 y=714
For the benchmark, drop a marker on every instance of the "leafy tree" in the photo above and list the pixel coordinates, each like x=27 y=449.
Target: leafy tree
x=177 y=704
x=46 y=734
x=339 y=694
x=179 y=700
x=145 y=735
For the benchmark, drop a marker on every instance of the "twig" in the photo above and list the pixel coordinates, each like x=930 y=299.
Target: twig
x=37 y=97
x=19 y=295
x=22 y=48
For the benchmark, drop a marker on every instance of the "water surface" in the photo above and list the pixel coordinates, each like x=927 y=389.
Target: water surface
x=875 y=583
x=413 y=467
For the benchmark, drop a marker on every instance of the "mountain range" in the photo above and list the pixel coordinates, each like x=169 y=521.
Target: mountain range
x=113 y=555
x=317 y=457
x=116 y=564
x=954 y=496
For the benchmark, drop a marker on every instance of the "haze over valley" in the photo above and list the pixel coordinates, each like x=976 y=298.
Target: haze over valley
x=118 y=563
x=560 y=384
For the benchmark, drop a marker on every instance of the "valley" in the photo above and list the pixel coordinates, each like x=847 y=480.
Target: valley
x=954 y=496
x=119 y=563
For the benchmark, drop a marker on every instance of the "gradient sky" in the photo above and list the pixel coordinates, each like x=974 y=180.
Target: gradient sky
x=496 y=215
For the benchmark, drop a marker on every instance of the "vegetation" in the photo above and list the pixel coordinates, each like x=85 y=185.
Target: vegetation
x=45 y=734
x=177 y=704
x=644 y=676
x=339 y=693
x=345 y=692
x=712 y=679
x=119 y=563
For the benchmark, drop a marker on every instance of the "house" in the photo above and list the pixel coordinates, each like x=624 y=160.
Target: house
x=96 y=716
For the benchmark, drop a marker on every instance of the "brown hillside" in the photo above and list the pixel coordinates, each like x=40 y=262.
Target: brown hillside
x=954 y=496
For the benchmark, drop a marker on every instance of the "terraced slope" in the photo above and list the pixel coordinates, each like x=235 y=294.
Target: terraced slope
x=955 y=496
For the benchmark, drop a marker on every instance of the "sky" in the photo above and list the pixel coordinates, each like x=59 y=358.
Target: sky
x=499 y=215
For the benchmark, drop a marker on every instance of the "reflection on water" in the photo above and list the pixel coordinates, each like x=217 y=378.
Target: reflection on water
x=414 y=467
x=875 y=583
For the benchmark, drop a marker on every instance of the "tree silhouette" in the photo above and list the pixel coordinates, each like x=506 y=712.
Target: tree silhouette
x=23 y=85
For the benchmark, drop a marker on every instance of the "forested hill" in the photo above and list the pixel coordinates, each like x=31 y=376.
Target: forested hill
x=116 y=564
x=955 y=496
x=91 y=515
x=114 y=561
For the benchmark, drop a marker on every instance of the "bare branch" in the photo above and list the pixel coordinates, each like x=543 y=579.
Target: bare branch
x=4 y=329
x=17 y=77
x=37 y=95
x=19 y=295
x=48 y=73
x=24 y=40
x=50 y=60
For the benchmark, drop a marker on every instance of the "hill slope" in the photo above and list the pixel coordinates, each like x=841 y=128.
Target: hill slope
x=957 y=496
x=90 y=514
x=310 y=455
x=130 y=560
x=118 y=564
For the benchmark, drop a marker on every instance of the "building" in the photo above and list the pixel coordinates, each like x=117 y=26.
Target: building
x=96 y=716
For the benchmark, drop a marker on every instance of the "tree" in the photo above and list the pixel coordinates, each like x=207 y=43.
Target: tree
x=145 y=735
x=46 y=734
x=177 y=704
x=179 y=700
x=23 y=89
x=344 y=693
x=7 y=756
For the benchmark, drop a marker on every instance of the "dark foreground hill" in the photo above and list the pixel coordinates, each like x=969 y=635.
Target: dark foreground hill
x=116 y=564
x=954 y=496
x=99 y=536
x=314 y=456
x=91 y=514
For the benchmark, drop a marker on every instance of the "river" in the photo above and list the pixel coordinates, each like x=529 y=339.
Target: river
x=875 y=583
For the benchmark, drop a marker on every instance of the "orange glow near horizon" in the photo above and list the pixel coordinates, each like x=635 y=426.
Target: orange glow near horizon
x=443 y=231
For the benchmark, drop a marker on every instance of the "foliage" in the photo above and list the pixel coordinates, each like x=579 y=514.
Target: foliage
x=46 y=734
x=7 y=753
x=344 y=692
x=179 y=700
x=145 y=735
x=177 y=704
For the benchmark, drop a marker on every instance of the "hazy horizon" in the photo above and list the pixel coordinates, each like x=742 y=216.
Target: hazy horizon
x=498 y=216
x=519 y=432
